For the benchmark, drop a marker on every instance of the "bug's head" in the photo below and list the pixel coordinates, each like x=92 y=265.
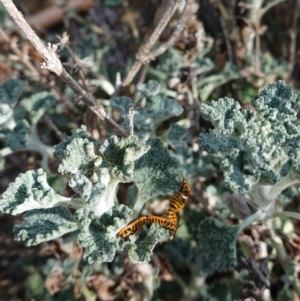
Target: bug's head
x=185 y=188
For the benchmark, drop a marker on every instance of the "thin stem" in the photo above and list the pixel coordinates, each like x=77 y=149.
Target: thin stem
x=142 y=56
x=249 y=220
x=257 y=47
x=287 y=214
x=179 y=27
x=278 y=245
x=74 y=203
x=226 y=38
x=268 y=6
x=131 y=74
x=23 y=58
x=90 y=102
x=145 y=50
x=289 y=180
x=293 y=34
x=52 y=126
x=285 y=260
x=130 y=117
x=296 y=283
x=35 y=144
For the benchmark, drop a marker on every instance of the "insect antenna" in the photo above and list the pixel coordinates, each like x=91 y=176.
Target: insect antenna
x=197 y=174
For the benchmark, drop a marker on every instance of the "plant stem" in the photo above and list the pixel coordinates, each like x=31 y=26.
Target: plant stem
x=143 y=54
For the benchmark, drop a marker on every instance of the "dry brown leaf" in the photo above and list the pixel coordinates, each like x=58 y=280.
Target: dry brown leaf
x=55 y=282
x=250 y=238
x=5 y=72
x=105 y=287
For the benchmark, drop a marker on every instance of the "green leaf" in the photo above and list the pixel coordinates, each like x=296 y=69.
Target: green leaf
x=180 y=249
x=216 y=144
x=158 y=107
x=51 y=266
x=255 y=145
x=156 y=173
x=12 y=131
x=35 y=286
x=91 y=193
x=16 y=138
x=142 y=249
x=192 y=222
x=178 y=136
x=121 y=154
x=44 y=225
x=209 y=83
x=217 y=245
x=150 y=89
x=203 y=65
x=10 y=91
x=96 y=178
x=148 y=116
x=110 y=2
x=121 y=104
x=29 y=191
x=170 y=62
x=99 y=194
x=5 y=113
x=98 y=236
x=79 y=158
x=61 y=149
x=38 y=104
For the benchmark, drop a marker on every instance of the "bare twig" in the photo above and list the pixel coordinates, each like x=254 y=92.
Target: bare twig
x=227 y=40
x=179 y=27
x=52 y=126
x=130 y=116
x=21 y=56
x=293 y=34
x=90 y=102
x=131 y=74
x=257 y=46
x=255 y=14
x=142 y=56
x=53 y=64
x=268 y=6
x=284 y=259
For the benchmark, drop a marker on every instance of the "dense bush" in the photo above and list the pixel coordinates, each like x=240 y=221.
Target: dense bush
x=77 y=191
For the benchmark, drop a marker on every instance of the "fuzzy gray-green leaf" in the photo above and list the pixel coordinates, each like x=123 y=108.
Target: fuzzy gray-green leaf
x=38 y=104
x=29 y=191
x=142 y=249
x=98 y=235
x=217 y=245
x=15 y=138
x=44 y=224
x=157 y=172
x=11 y=90
x=121 y=155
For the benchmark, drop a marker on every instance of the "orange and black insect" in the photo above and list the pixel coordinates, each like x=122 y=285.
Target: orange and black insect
x=138 y=223
x=132 y=227
x=178 y=200
x=171 y=215
x=169 y=220
x=163 y=222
